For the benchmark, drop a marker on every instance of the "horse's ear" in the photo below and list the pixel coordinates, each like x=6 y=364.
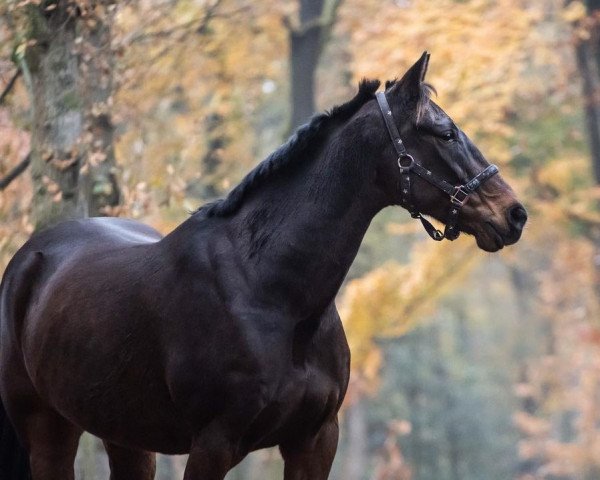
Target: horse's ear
x=414 y=77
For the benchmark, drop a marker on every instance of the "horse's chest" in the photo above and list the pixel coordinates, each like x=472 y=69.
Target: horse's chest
x=314 y=391
x=298 y=408
x=312 y=388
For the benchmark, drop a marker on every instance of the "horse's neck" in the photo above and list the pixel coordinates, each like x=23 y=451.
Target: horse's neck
x=304 y=236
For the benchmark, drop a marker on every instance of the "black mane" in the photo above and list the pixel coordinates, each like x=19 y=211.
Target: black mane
x=291 y=151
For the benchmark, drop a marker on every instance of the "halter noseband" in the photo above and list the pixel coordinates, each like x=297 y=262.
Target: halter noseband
x=406 y=163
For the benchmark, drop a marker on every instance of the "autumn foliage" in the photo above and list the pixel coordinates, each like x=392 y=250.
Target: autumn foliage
x=200 y=93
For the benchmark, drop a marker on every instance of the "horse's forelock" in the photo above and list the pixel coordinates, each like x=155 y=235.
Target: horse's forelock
x=427 y=90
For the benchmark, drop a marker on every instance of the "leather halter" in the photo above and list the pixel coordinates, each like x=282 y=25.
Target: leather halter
x=459 y=194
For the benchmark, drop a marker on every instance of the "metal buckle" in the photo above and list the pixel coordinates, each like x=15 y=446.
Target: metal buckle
x=411 y=162
x=460 y=195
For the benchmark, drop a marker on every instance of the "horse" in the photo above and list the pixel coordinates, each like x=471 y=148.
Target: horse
x=223 y=337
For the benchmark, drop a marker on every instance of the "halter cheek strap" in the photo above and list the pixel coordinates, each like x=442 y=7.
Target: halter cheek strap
x=459 y=194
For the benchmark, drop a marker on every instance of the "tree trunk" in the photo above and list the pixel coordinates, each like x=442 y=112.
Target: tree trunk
x=68 y=72
x=306 y=45
x=58 y=116
x=587 y=52
x=69 y=75
x=355 y=457
x=529 y=466
x=100 y=189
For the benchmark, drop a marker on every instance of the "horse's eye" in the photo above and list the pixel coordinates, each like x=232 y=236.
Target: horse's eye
x=448 y=136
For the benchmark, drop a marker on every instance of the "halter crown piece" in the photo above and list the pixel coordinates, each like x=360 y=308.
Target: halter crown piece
x=407 y=165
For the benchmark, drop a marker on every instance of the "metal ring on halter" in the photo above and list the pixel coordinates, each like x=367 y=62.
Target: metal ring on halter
x=410 y=159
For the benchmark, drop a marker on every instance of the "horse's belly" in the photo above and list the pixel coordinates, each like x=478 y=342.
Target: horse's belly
x=132 y=412
x=120 y=397
x=164 y=433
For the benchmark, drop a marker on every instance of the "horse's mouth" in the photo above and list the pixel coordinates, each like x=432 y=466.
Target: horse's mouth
x=490 y=239
x=487 y=236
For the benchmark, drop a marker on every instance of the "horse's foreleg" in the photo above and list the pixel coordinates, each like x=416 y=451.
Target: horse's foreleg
x=52 y=443
x=312 y=458
x=127 y=464
x=211 y=456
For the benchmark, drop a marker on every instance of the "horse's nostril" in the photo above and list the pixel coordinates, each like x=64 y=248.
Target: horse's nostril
x=517 y=216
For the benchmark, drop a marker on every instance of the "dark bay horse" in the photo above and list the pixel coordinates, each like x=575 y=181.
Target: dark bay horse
x=223 y=337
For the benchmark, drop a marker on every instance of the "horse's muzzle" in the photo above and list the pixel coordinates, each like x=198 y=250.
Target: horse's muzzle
x=516 y=219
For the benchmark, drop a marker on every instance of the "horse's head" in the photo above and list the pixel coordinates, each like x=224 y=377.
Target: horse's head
x=436 y=158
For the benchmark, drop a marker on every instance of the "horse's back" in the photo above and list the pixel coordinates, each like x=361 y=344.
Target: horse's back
x=52 y=250
x=92 y=233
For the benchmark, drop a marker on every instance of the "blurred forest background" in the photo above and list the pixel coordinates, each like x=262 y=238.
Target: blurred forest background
x=466 y=365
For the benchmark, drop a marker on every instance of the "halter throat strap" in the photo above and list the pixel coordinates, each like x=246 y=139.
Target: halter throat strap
x=459 y=194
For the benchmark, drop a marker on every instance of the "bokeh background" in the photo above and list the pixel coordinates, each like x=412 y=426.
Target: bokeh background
x=466 y=365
